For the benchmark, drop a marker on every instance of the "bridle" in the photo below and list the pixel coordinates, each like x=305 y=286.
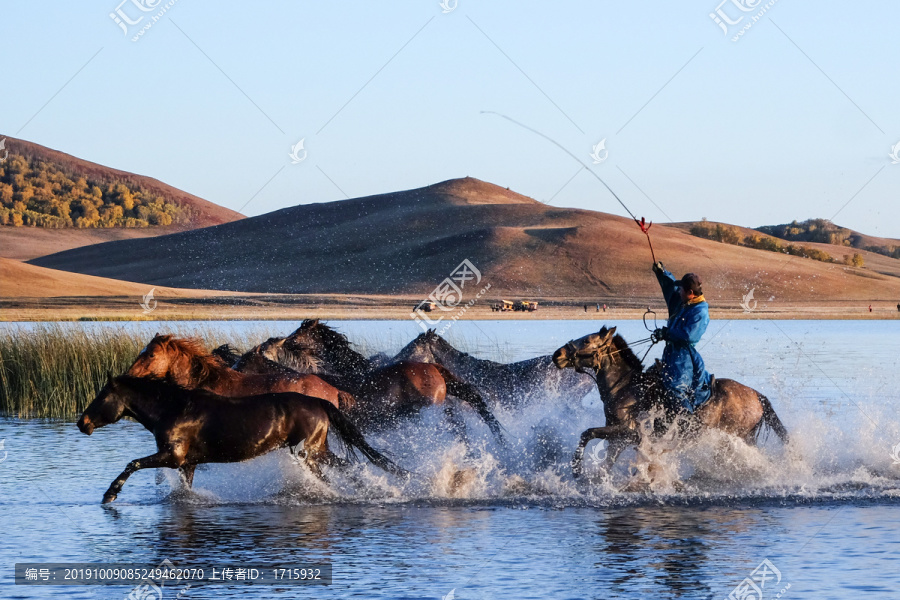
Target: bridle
x=595 y=354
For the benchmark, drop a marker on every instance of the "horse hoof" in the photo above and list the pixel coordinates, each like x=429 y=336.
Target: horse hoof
x=107 y=498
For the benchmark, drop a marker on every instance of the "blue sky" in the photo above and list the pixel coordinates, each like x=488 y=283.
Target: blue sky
x=794 y=120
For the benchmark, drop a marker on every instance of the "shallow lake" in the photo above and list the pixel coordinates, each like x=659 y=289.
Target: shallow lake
x=825 y=512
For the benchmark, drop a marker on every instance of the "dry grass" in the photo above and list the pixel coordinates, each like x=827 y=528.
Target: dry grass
x=52 y=371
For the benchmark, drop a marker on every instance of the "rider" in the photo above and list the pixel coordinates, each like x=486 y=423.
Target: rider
x=684 y=374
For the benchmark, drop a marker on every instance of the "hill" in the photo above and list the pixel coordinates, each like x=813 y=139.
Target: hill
x=40 y=187
x=405 y=243
x=24 y=280
x=25 y=243
x=825 y=232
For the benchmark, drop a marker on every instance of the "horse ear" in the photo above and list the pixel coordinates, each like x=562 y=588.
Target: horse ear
x=612 y=332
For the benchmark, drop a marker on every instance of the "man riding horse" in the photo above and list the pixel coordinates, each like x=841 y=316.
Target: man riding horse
x=684 y=375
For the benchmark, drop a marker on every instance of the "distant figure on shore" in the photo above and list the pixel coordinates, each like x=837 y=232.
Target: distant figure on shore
x=870 y=308
x=604 y=307
x=585 y=308
x=898 y=307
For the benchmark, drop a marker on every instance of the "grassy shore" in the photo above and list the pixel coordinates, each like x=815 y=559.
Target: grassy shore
x=48 y=371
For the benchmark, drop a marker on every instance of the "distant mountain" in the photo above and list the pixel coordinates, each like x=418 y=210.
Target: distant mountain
x=825 y=232
x=41 y=187
x=408 y=242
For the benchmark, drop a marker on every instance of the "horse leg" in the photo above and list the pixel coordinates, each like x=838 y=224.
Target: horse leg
x=187 y=475
x=617 y=437
x=154 y=461
x=613 y=450
x=315 y=449
x=333 y=460
x=457 y=425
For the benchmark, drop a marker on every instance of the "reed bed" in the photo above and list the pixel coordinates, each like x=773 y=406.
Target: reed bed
x=52 y=371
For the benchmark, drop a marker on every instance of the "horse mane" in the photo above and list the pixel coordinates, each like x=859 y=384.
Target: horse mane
x=228 y=353
x=255 y=358
x=627 y=354
x=204 y=366
x=333 y=342
x=299 y=357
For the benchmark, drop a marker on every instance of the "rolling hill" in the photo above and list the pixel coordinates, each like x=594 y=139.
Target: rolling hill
x=407 y=242
x=43 y=189
x=826 y=232
x=24 y=280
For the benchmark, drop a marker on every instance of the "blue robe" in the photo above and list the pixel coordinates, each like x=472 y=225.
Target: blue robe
x=684 y=373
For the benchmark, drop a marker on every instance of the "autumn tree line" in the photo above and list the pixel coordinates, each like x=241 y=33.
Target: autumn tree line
x=39 y=193
x=729 y=234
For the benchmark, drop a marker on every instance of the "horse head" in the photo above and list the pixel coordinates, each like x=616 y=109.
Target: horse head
x=315 y=347
x=108 y=407
x=586 y=353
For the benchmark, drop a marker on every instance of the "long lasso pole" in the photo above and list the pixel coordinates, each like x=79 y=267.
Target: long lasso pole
x=645 y=227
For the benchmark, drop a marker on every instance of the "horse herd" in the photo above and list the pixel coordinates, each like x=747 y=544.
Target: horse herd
x=223 y=406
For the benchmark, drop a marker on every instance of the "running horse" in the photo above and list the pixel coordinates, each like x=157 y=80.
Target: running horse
x=383 y=393
x=185 y=362
x=627 y=390
x=192 y=427
x=509 y=385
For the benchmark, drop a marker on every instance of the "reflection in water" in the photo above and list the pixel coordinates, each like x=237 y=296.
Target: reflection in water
x=667 y=548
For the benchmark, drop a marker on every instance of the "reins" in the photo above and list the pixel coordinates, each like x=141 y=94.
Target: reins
x=570 y=345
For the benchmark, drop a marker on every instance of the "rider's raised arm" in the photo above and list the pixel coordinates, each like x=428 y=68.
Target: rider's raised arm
x=669 y=289
x=691 y=327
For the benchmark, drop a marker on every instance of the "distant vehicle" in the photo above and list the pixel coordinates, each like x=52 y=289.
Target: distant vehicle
x=425 y=306
x=525 y=305
x=503 y=306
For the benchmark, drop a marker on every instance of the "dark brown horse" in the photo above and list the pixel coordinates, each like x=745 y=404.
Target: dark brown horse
x=509 y=385
x=192 y=427
x=185 y=362
x=382 y=393
x=627 y=390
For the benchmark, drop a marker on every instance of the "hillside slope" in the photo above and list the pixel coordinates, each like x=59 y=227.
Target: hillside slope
x=408 y=242
x=45 y=187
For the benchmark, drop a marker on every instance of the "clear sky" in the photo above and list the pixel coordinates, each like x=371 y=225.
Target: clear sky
x=794 y=120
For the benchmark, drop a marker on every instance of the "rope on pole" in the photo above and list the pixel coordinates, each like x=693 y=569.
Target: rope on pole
x=645 y=227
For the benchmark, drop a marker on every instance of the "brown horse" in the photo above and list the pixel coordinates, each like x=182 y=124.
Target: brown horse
x=185 y=362
x=383 y=393
x=195 y=426
x=627 y=391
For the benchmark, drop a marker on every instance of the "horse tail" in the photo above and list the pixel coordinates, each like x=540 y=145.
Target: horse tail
x=350 y=435
x=468 y=394
x=771 y=419
x=346 y=401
